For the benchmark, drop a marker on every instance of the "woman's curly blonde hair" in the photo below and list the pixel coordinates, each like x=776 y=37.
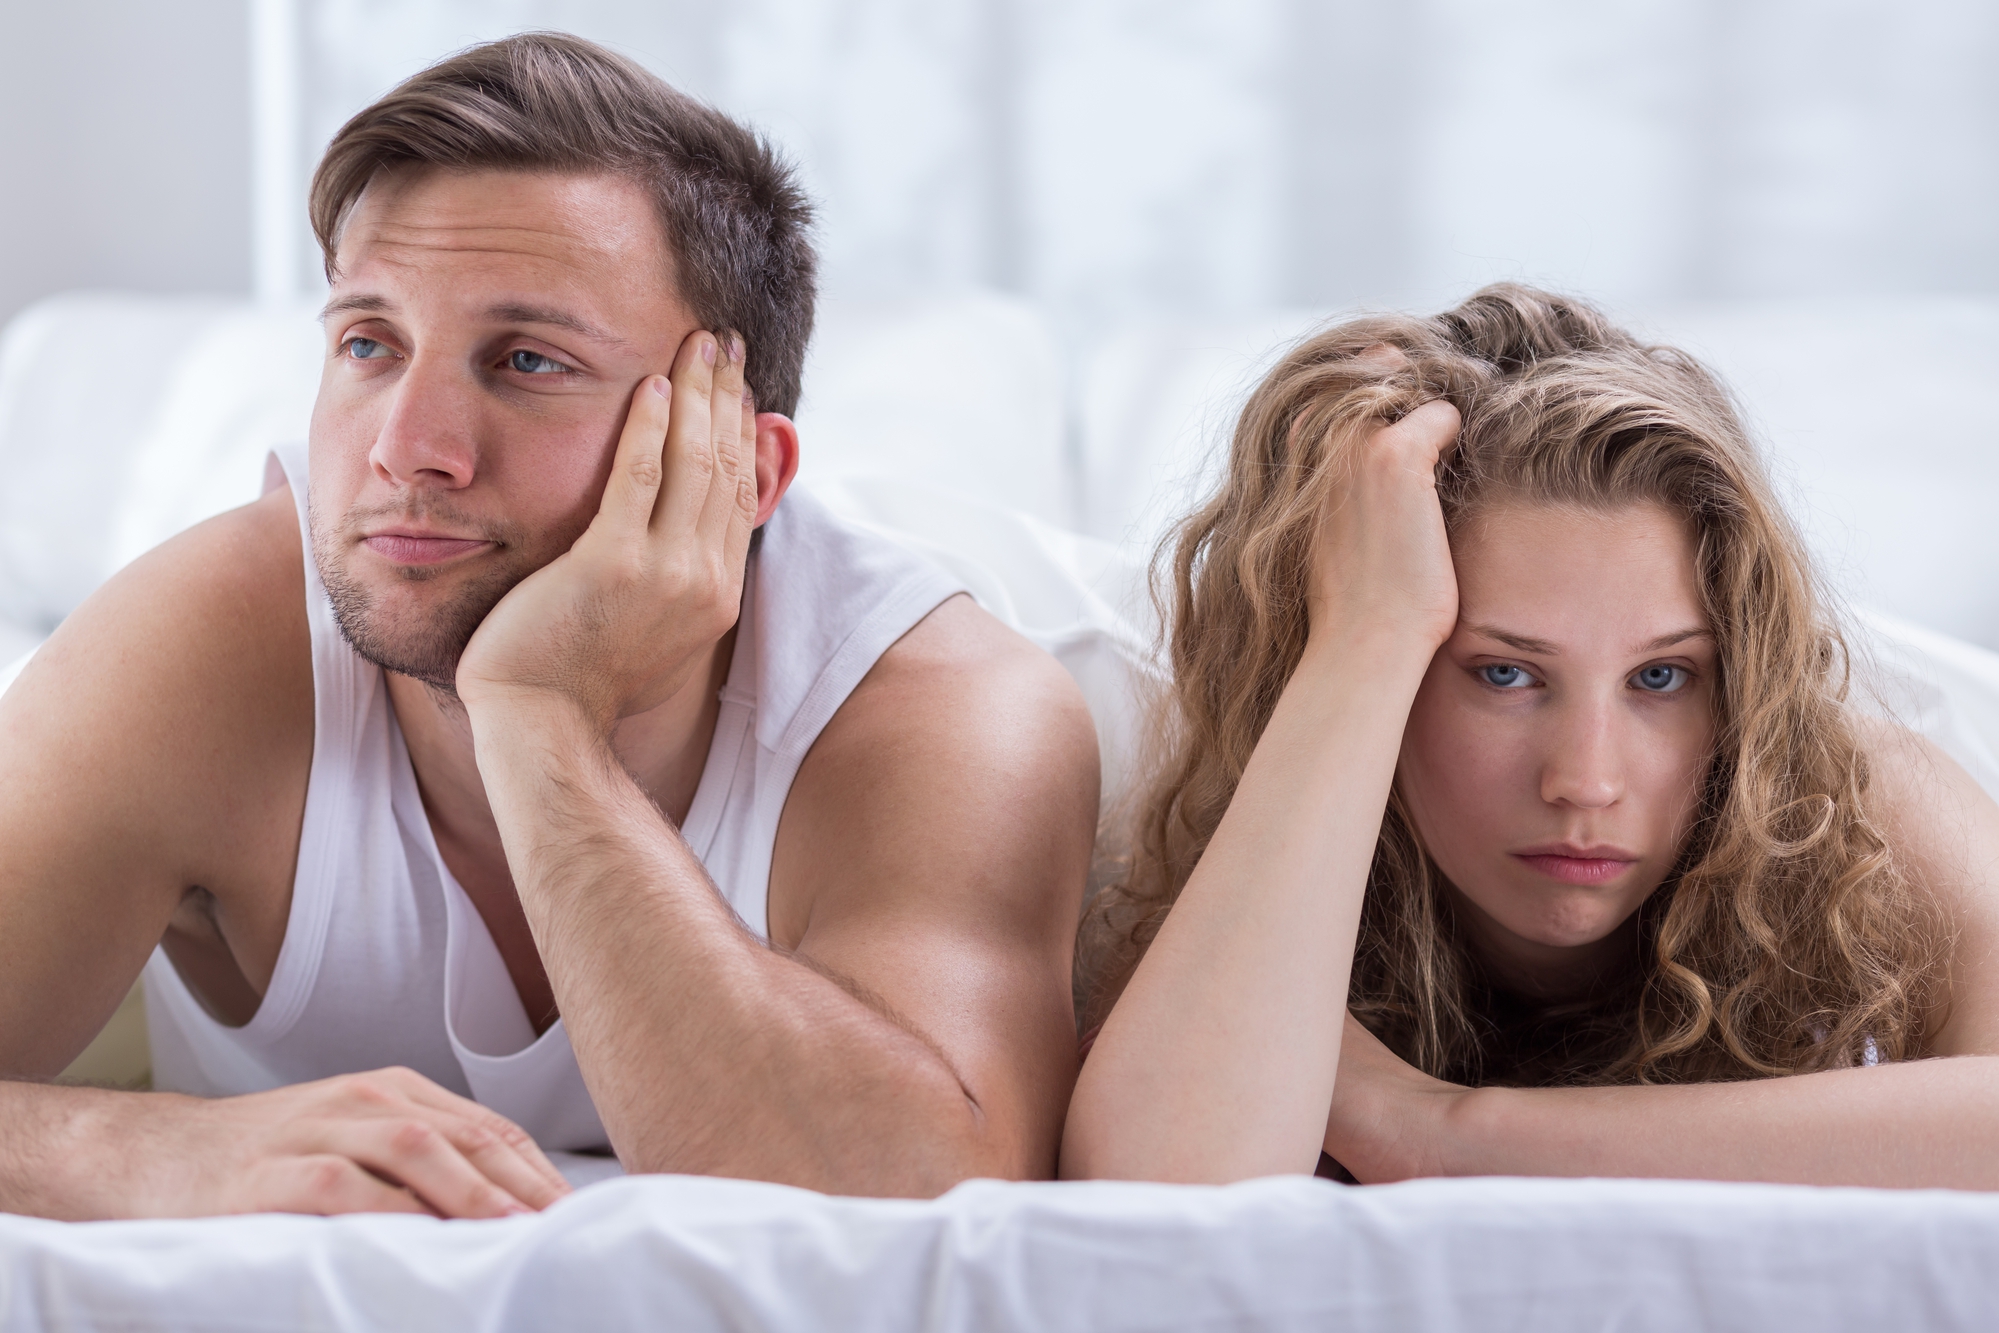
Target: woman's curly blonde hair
x=1785 y=940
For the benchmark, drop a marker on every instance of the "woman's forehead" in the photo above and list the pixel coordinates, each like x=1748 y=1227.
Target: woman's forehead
x=1577 y=577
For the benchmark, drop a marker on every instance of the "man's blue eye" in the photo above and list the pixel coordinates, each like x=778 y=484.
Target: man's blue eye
x=534 y=363
x=1661 y=679
x=366 y=349
x=1505 y=677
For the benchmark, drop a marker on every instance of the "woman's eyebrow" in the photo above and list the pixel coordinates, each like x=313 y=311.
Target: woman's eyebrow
x=1678 y=636
x=1523 y=642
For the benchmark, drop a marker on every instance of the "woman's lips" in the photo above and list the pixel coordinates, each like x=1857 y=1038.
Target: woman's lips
x=1577 y=869
x=406 y=549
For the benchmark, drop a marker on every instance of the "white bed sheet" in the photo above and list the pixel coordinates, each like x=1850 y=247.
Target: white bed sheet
x=686 y=1253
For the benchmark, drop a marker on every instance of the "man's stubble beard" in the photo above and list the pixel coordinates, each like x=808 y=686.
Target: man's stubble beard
x=425 y=645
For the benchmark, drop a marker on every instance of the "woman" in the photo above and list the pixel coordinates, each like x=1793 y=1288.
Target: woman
x=1512 y=818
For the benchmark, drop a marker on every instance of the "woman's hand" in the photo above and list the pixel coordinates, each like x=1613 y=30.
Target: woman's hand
x=1383 y=559
x=1389 y=1120
x=616 y=624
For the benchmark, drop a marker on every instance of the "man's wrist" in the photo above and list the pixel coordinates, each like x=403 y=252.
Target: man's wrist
x=501 y=717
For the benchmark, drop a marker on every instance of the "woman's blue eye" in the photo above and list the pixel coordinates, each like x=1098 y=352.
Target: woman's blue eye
x=1504 y=677
x=534 y=363
x=366 y=349
x=1661 y=679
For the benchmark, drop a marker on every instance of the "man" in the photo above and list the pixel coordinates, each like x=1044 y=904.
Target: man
x=491 y=786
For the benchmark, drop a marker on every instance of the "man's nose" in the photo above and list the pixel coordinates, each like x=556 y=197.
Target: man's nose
x=1584 y=766
x=429 y=438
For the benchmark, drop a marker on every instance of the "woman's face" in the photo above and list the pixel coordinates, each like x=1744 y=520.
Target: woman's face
x=1556 y=748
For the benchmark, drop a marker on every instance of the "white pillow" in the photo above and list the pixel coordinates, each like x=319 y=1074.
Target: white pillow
x=12 y=671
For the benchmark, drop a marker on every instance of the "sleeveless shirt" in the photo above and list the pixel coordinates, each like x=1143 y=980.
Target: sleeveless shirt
x=385 y=961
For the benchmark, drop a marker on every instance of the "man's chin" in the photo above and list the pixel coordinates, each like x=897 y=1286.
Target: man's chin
x=416 y=628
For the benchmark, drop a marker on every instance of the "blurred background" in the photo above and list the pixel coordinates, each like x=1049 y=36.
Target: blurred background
x=1109 y=159
x=1138 y=201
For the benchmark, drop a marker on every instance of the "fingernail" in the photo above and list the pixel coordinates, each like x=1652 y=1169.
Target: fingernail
x=659 y=385
x=708 y=350
x=748 y=400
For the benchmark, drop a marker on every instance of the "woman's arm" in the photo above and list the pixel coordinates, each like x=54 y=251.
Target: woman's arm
x=1218 y=1061
x=1920 y=1123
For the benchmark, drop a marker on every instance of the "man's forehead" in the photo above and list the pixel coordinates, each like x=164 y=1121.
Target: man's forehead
x=588 y=223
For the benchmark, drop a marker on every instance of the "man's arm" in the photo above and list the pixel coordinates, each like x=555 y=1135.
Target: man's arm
x=161 y=740
x=921 y=1031
x=928 y=871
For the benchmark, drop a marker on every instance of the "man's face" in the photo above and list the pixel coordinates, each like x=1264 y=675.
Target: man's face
x=484 y=337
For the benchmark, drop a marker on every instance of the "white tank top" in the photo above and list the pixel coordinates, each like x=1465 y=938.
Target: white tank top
x=385 y=960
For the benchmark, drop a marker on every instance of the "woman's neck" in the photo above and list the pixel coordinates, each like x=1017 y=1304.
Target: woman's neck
x=1546 y=973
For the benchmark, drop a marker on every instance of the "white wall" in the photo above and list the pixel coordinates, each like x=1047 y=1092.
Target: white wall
x=1117 y=159
x=125 y=161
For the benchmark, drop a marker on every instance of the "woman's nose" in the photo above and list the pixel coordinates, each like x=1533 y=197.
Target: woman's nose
x=1584 y=766
x=428 y=439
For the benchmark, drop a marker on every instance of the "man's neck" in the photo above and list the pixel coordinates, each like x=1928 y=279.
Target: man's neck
x=664 y=748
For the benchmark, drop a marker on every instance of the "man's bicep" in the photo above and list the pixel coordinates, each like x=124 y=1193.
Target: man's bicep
x=1944 y=829
x=934 y=853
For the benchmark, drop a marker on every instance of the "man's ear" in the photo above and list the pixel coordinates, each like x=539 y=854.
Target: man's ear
x=777 y=461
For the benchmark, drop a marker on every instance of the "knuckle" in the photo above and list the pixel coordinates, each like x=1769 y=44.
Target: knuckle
x=645 y=470
x=474 y=1135
x=326 y=1179
x=369 y=1090
x=413 y=1138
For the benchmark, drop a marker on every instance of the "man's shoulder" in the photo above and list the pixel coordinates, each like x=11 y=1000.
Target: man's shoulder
x=191 y=666
x=976 y=685
x=965 y=762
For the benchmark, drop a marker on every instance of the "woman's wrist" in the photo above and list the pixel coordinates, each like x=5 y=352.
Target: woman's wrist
x=1467 y=1122
x=1389 y=653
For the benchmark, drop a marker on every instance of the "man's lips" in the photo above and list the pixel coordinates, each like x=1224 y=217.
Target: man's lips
x=420 y=548
x=1578 y=865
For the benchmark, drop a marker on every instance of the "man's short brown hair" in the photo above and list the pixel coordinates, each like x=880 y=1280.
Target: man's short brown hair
x=736 y=220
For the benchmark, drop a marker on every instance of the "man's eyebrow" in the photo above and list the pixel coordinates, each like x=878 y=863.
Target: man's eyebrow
x=1523 y=642
x=507 y=312
x=341 y=305
x=516 y=312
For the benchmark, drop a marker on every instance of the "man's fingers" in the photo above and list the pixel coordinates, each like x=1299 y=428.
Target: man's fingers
x=416 y=1154
x=327 y=1184
x=734 y=452
x=690 y=454
x=637 y=470
x=503 y=1150
x=518 y=1167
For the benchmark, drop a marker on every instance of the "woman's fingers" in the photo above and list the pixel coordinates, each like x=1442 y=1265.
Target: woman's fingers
x=637 y=469
x=1430 y=429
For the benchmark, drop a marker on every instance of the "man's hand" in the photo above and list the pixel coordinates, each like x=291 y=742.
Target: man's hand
x=390 y=1141
x=1389 y=1118
x=615 y=624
